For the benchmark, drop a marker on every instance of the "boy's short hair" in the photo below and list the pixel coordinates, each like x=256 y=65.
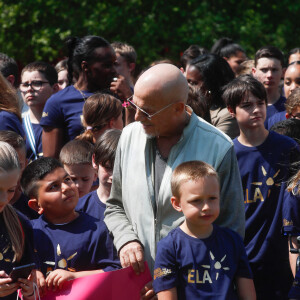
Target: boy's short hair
x=76 y=152
x=126 y=51
x=14 y=139
x=246 y=67
x=288 y=127
x=106 y=147
x=269 y=52
x=239 y=88
x=190 y=171
x=46 y=69
x=35 y=172
x=292 y=101
x=8 y=66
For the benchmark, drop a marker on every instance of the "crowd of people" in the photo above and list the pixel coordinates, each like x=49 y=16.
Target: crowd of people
x=203 y=182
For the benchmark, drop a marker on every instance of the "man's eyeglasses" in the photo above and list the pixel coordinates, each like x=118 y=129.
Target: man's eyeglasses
x=148 y=116
x=35 y=85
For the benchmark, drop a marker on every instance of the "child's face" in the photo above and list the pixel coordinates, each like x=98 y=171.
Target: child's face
x=250 y=113
x=57 y=195
x=199 y=201
x=36 y=98
x=269 y=72
x=291 y=79
x=8 y=185
x=83 y=175
x=105 y=177
x=62 y=79
x=193 y=76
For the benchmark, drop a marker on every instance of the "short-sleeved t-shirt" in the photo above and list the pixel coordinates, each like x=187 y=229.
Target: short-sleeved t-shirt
x=37 y=132
x=22 y=205
x=201 y=268
x=278 y=106
x=9 y=121
x=64 y=110
x=80 y=245
x=92 y=205
x=264 y=171
x=280 y=116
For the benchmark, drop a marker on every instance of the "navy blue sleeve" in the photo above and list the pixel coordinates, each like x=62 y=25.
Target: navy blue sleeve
x=291 y=214
x=52 y=114
x=165 y=270
x=9 y=121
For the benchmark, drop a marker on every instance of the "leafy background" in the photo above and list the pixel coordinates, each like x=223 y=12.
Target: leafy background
x=35 y=29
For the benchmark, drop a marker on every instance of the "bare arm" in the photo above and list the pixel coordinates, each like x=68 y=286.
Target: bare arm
x=245 y=289
x=52 y=140
x=170 y=294
x=293 y=256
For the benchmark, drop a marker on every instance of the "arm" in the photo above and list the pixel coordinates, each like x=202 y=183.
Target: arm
x=245 y=289
x=232 y=210
x=52 y=140
x=293 y=256
x=56 y=279
x=170 y=294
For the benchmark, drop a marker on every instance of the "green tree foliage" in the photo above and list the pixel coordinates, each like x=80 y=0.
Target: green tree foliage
x=35 y=29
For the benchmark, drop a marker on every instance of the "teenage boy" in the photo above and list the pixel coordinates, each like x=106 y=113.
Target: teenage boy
x=198 y=259
x=76 y=157
x=94 y=203
x=264 y=158
x=38 y=83
x=268 y=70
x=68 y=244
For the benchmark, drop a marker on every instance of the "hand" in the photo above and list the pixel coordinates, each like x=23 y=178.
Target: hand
x=147 y=293
x=132 y=254
x=56 y=279
x=121 y=87
x=39 y=278
x=27 y=286
x=6 y=285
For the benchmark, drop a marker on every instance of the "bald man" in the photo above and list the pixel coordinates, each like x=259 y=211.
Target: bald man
x=139 y=212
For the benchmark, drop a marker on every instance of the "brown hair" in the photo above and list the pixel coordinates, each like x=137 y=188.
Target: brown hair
x=8 y=98
x=292 y=101
x=190 y=170
x=97 y=111
x=125 y=51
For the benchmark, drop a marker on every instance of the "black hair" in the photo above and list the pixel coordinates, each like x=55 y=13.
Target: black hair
x=269 y=52
x=13 y=138
x=82 y=49
x=225 y=47
x=216 y=73
x=35 y=172
x=8 y=66
x=44 y=68
x=293 y=51
x=191 y=53
x=239 y=88
x=106 y=147
x=288 y=127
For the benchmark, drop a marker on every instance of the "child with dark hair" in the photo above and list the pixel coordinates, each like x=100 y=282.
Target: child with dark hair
x=38 y=83
x=233 y=53
x=269 y=62
x=200 y=260
x=264 y=158
x=69 y=244
x=294 y=55
x=103 y=161
x=189 y=54
x=76 y=157
x=19 y=200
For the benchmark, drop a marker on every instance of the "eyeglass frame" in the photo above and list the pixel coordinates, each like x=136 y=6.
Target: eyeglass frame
x=30 y=85
x=148 y=116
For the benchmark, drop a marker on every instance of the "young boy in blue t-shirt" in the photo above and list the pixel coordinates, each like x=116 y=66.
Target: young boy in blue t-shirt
x=264 y=159
x=69 y=244
x=199 y=260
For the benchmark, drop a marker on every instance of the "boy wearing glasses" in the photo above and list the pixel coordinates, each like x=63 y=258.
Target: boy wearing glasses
x=38 y=83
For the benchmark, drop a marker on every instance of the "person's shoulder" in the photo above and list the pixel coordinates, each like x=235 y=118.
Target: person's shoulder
x=228 y=234
x=9 y=116
x=86 y=200
x=282 y=141
x=66 y=94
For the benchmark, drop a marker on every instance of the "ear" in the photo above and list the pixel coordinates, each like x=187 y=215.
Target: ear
x=93 y=162
x=180 y=107
x=55 y=88
x=84 y=66
x=11 y=79
x=34 y=204
x=131 y=67
x=226 y=58
x=176 y=203
x=287 y=116
x=253 y=71
x=232 y=113
x=182 y=70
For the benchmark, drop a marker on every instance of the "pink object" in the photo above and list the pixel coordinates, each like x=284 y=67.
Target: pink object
x=121 y=284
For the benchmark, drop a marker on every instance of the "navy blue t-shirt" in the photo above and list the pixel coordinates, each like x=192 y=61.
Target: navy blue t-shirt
x=37 y=132
x=64 y=110
x=81 y=245
x=22 y=205
x=201 y=268
x=91 y=204
x=278 y=106
x=9 y=121
x=280 y=116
